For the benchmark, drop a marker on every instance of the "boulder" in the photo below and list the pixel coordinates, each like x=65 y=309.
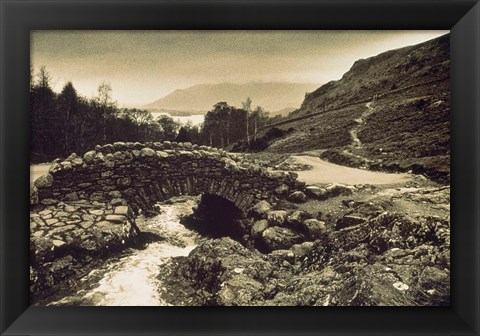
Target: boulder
x=297 y=197
x=44 y=181
x=258 y=228
x=314 y=228
x=75 y=160
x=162 y=154
x=118 y=201
x=120 y=156
x=278 y=238
x=337 y=189
x=316 y=192
x=227 y=273
x=297 y=217
x=261 y=208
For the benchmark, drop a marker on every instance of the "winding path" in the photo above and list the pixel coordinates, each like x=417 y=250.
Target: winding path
x=356 y=143
x=326 y=172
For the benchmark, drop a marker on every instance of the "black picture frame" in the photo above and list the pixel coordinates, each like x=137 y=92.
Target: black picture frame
x=19 y=17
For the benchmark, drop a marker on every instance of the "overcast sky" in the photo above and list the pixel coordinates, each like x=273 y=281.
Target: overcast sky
x=143 y=66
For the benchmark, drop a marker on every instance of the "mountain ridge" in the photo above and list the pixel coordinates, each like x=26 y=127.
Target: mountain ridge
x=272 y=96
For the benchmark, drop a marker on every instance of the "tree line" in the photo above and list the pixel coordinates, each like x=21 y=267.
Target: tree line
x=225 y=125
x=66 y=122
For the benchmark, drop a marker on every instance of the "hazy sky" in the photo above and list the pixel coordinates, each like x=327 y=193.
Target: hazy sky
x=143 y=66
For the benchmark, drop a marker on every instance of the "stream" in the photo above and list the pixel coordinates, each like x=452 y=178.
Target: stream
x=131 y=278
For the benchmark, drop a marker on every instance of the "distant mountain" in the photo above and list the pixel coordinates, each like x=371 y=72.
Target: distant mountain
x=273 y=96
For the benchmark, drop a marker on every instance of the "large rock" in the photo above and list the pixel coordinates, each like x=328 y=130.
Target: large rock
x=316 y=192
x=261 y=208
x=297 y=217
x=278 y=238
x=44 y=181
x=258 y=228
x=314 y=228
x=337 y=189
x=227 y=273
x=297 y=197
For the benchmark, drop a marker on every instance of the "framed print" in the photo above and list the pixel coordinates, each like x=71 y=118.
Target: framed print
x=294 y=165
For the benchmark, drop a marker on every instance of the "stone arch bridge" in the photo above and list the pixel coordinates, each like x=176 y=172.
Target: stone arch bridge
x=142 y=174
x=86 y=207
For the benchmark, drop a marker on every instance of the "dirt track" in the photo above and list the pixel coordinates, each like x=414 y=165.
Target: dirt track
x=326 y=172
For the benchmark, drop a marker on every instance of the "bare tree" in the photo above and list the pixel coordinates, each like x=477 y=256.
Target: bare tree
x=247 y=106
x=104 y=99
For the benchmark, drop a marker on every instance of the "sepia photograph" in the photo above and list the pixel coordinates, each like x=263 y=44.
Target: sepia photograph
x=240 y=168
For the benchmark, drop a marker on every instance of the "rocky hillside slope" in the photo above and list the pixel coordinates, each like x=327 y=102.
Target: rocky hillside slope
x=390 y=111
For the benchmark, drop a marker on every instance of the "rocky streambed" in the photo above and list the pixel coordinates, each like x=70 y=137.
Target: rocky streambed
x=361 y=254
x=360 y=245
x=128 y=277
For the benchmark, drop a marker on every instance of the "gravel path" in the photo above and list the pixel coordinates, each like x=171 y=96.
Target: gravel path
x=326 y=172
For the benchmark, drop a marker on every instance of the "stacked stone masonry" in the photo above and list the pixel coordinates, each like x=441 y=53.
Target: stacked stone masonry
x=143 y=174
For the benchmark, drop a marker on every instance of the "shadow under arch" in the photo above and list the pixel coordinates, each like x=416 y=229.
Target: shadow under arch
x=217 y=217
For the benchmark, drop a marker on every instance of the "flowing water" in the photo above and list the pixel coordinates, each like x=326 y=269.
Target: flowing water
x=131 y=279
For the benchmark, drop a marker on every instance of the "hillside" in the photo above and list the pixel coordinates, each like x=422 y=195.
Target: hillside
x=273 y=96
x=405 y=127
